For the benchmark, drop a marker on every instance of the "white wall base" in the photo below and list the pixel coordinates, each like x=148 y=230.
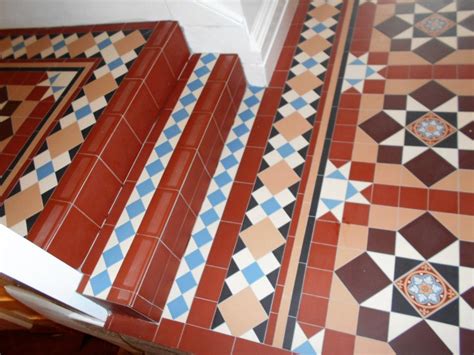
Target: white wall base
x=254 y=29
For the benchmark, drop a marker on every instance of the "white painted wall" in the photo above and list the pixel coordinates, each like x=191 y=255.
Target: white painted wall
x=254 y=29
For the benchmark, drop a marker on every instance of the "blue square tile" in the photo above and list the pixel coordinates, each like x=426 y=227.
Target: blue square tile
x=112 y=255
x=309 y=63
x=255 y=89
x=186 y=282
x=194 y=259
x=285 y=150
x=319 y=28
x=271 y=205
x=124 y=231
x=202 y=237
x=188 y=99
x=206 y=59
x=235 y=145
x=229 y=161
x=222 y=179
x=251 y=101
x=246 y=115
x=252 y=273
x=180 y=115
x=145 y=187
x=298 y=103
x=195 y=84
x=163 y=149
x=115 y=63
x=18 y=46
x=105 y=43
x=216 y=197
x=172 y=131
x=177 y=307
x=154 y=167
x=100 y=282
x=59 y=45
x=201 y=71
x=45 y=170
x=83 y=112
x=209 y=216
x=240 y=129
x=135 y=208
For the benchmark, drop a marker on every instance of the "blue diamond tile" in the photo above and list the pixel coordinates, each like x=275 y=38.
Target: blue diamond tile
x=251 y=101
x=209 y=217
x=201 y=71
x=155 y=167
x=113 y=255
x=309 y=63
x=319 y=28
x=188 y=99
x=135 y=208
x=195 y=84
x=246 y=115
x=105 y=43
x=45 y=170
x=18 y=46
x=83 y=111
x=194 y=259
x=145 y=187
x=59 y=45
x=202 y=237
x=216 y=197
x=298 y=103
x=235 y=145
x=285 y=150
x=178 y=307
x=115 y=63
x=252 y=273
x=186 y=282
x=271 y=205
x=222 y=179
x=240 y=129
x=180 y=115
x=229 y=161
x=163 y=149
x=100 y=282
x=124 y=231
x=172 y=131
x=206 y=59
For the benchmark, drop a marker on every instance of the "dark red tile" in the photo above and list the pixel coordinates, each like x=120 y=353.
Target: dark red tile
x=381 y=241
x=160 y=80
x=237 y=202
x=210 y=284
x=356 y=213
x=385 y=195
x=278 y=78
x=293 y=35
x=350 y=101
x=202 y=341
x=177 y=168
x=340 y=151
x=444 y=72
x=96 y=250
x=176 y=51
x=243 y=347
x=140 y=162
x=322 y=256
x=134 y=327
x=326 y=232
x=398 y=72
x=444 y=201
x=169 y=333
x=409 y=341
x=317 y=282
x=260 y=131
x=344 y=133
x=48 y=223
x=466 y=205
x=123 y=96
x=161 y=34
x=223 y=245
x=376 y=58
x=412 y=197
x=374 y=86
x=270 y=101
x=285 y=59
x=338 y=343
x=362 y=171
x=373 y=324
x=157 y=213
x=249 y=165
x=202 y=313
x=347 y=116
x=421 y=71
x=223 y=67
x=313 y=310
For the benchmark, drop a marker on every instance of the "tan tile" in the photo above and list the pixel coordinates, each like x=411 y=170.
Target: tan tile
x=458 y=86
x=362 y=137
x=64 y=140
x=367 y=346
x=365 y=152
x=450 y=182
x=324 y=12
x=242 y=312
x=383 y=217
x=5 y=44
x=379 y=42
x=305 y=82
x=292 y=126
x=407 y=215
x=23 y=205
x=21 y=113
x=339 y=291
x=410 y=180
x=466 y=228
x=344 y=255
x=342 y=316
x=448 y=220
x=38 y=46
x=404 y=58
x=383 y=12
x=364 y=115
x=403 y=86
x=128 y=43
x=353 y=236
x=262 y=238
x=461 y=56
x=81 y=45
x=19 y=92
x=466 y=180
x=100 y=87
x=372 y=102
x=278 y=177
x=315 y=45
x=388 y=174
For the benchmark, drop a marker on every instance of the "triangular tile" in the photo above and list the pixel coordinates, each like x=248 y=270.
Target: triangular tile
x=385 y=262
x=397 y=139
x=381 y=301
x=447 y=256
x=449 y=314
x=449 y=106
x=449 y=154
x=299 y=337
x=405 y=250
x=465 y=314
x=411 y=152
x=414 y=105
x=449 y=334
x=466 y=275
x=399 y=323
x=317 y=341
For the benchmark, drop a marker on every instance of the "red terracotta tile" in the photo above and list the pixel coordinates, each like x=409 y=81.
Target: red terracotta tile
x=202 y=313
x=340 y=151
x=96 y=250
x=466 y=71
x=278 y=78
x=322 y=256
x=161 y=34
x=444 y=201
x=269 y=335
x=223 y=67
x=277 y=298
x=445 y=72
x=142 y=113
x=260 y=131
x=202 y=341
x=411 y=197
x=360 y=45
x=5 y=161
x=300 y=14
x=326 y=232
x=209 y=98
x=376 y=58
x=98 y=193
x=313 y=310
x=237 y=82
x=157 y=213
x=237 y=202
x=134 y=327
x=73 y=238
x=421 y=71
x=100 y=134
x=356 y=213
x=374 y=86
x=466 y=203
x=177 y=169
x=362 y=171
x=286 y=260
x=142 y=65
x=164 y=287
x=123 y=96
x=385 y=195
x=293 y=36
x=120 y=297
x=189 y=67
x=285 y=59
x=15 y=144
x=48 y=223
x=160 y=80
x=211 y=283
x=169 y=333
x=140 y=162
x=349 y=101
x=347 y=116
x=223 y=245
x=270 y=101
x=398 y=72
x=176 y=51
x=338 y=343
x=121 y=150
x=317 y=282
x=249 y=165
x=29 y=126
x=243 y=347
x=297 y=210
x=222 y=112
x=344 y=133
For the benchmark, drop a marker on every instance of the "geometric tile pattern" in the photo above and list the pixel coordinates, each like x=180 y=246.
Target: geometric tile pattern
x=257 y=257
x=117 y=52
x=121 y=239
x=192 y=264
x=358 y=70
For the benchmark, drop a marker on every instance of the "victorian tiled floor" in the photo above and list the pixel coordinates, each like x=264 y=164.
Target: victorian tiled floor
x=340 y=216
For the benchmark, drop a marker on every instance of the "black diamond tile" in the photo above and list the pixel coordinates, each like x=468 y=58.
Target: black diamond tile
x=448 y=314
x=434 y=50
x=432 y=95
x=427 y=235
x=393 y=26
x=380 y=126
x=434 y=5
x=401 y=305
x=429 y=167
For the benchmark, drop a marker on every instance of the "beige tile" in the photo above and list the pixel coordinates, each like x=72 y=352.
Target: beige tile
x=64 y=140
x=383 y=12
x=466 y=228
x=38 y=46
x=292 y=126
x=459 y=86
x=448 y=220
x=242 y=312
x=344 y=255
x=362 y=137
x=100 y=87
x=388 y=174
x=324 y=12
x=367 y=346
x=22 y=113
x=372 y=102
x=23 y=205
x=407 y=215
x=278 y=177
x=305 y=82
x=410 y=180
x=5 y=44
x=404 y=58
x=461 y=56
x=450 y=182
x=262 y=238
x=81 y=45
x=379 y=42
x=19 y=92
x=128 y=43
x=339 y=292
x=365 y=114
x=365 y=152
x=315 y=45
x=353 y=236
x=403 y=86
x=466 y=180
x=342 y=316
x=383 y=217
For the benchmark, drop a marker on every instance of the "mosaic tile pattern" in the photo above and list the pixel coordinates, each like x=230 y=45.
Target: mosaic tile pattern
x=204 y=231
x=117 y=50
x=250 y=283
x=119 y=243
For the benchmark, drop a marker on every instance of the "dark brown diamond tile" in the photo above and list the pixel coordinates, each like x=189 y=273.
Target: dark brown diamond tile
x=381 y=241
x=3 y=94
x=427 y=235
x=432 y=95
x=466 y=159
x=6 y=129
x=429 y=167
x=433 y=50
x=468 y=296
x=468 y=130
x=420 y=339
x=373 y=324
x=434 y=5
x=393 y=26
x=468 y=23
x=362 y=277
x=380 y=126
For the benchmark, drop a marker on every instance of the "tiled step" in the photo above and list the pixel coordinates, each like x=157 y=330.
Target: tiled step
x=78 y=207
x=136 y=257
